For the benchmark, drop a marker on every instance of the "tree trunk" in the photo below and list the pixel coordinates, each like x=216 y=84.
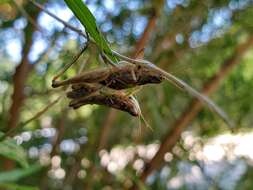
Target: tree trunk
x=20 y=76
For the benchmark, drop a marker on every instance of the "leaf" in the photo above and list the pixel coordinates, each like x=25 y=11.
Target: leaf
x=17 y=187
x=15 y=175
x=4 y=1
x=9 y=149
x=1 y=134
x=87 y=19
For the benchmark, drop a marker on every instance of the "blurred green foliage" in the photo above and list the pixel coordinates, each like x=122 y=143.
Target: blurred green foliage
x=192 y=39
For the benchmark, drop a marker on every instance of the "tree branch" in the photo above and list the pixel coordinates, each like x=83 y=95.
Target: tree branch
x=22 y=71
x=194 y=108
x=19 y=79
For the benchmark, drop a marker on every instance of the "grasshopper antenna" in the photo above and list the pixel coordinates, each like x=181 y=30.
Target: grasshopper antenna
x=66 y=67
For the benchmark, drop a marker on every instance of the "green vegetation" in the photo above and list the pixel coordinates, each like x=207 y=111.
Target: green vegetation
x=45 y=144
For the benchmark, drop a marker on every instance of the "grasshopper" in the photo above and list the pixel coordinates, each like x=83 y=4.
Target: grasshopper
x=97 y=94
x=91 y=87
x=124 y=76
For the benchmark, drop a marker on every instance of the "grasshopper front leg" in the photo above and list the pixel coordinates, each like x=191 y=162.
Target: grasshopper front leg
x=94 y=76
x=66 y=67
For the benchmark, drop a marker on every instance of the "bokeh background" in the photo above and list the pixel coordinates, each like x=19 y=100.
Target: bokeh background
x=208 y=44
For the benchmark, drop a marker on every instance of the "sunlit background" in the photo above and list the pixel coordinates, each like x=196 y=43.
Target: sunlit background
x=192 y=39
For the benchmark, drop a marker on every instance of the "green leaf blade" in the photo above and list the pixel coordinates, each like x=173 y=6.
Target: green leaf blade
x=82 y=12
x=17 y=174
x=9 y=186
x=9 y=149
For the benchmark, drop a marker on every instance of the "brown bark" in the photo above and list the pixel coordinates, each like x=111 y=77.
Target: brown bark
x=145 y=36
x=22 y=71
x=19 y=78
x=111 y=116
x=194 y=108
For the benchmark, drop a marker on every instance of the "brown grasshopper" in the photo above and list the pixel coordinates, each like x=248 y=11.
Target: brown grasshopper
x=124 y=76
x=85 y=93
x=94 y=94
x=92 y=87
